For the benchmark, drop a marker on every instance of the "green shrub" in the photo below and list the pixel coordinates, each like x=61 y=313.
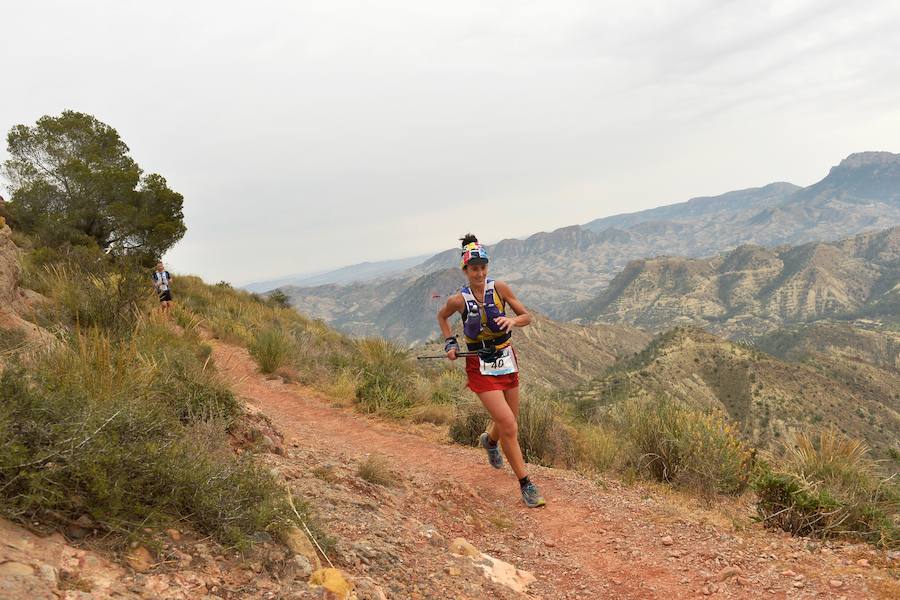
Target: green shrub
x=279 y=299
x=670 y=442
x=89 y=290
x=447 y=387
x=102 y=428
x=543 y=437
x=598 y=447
x=470 y=420
x=387 y=379
x=828 y=486
x=272 y=348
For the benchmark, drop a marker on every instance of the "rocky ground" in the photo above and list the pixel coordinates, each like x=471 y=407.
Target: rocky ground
x=444 y=526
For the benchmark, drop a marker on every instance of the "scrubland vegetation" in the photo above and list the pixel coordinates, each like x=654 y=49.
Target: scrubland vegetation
x=827 y=486
x=106 y=423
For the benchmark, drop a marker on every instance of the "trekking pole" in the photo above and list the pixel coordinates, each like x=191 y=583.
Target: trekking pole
x=445 y=356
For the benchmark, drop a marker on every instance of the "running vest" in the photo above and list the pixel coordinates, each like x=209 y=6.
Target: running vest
x=478 y=325
x=162 y=280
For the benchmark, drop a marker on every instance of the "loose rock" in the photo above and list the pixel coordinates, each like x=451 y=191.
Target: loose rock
x=462 y=547
x=333 y=581
x=728 y=572
x=505 y=574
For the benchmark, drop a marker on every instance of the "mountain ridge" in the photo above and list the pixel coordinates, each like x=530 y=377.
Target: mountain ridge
x=556 y=270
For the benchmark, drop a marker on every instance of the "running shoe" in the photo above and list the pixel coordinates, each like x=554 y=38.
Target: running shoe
x=531 y=496
x=493 y=452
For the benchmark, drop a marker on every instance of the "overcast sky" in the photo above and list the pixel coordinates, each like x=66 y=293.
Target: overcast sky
x=310 y=135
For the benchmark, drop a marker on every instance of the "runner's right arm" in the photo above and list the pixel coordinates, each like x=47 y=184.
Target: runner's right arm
x=454 y=305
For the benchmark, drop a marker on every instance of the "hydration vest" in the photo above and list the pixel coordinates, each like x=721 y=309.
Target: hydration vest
x=474 y=323
x=162 y=280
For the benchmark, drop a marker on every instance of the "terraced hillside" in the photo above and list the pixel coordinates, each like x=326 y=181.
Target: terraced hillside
x=752 y=290
x=855 y=343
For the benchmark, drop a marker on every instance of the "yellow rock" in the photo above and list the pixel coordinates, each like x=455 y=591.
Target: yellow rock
x=333 y=581
x=463 y=547
x=298 y=543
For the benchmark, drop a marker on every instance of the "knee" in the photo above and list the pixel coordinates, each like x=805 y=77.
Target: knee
x=508 y=427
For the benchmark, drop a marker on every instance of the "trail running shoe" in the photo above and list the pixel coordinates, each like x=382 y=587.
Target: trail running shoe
x=493 y=452
x=531 y=496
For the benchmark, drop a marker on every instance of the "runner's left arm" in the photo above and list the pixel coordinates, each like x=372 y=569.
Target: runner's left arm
x=522 y=317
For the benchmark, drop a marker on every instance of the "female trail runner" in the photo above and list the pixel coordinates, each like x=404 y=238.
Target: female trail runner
x=494 y=374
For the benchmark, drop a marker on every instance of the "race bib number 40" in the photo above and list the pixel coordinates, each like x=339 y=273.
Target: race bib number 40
x=503 y=364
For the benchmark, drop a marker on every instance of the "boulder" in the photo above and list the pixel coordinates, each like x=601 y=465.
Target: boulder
x=505 y=574
x=297 y=542
x=334 y=582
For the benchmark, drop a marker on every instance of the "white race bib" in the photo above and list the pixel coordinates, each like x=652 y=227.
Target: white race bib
x=503 y=364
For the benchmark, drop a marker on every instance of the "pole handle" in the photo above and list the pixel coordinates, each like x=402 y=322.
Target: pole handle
x=445 y=356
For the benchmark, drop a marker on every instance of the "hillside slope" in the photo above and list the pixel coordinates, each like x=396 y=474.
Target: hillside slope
x=607 y=541
x=766 y=397
x=752 y=290
x=556 y=355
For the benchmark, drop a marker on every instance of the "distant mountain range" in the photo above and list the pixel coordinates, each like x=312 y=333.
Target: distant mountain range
x=365 y=271
x=752 y=290
x=565 y=273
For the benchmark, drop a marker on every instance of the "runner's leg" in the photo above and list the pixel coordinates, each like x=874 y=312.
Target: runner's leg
x=506 y=428
x=512 y=399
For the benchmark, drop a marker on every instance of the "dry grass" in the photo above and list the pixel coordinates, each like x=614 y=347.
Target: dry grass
x=375 y=469
x=670 y=442
x=598 y=448
x=829 y=486
x=272 y=349
x=438 y=414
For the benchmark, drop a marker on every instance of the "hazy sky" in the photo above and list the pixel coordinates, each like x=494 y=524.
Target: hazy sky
x=309 y=135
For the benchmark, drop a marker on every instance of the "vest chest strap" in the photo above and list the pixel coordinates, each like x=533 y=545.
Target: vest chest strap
x=474 y=346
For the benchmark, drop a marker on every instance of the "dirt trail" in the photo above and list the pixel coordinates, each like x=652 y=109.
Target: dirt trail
x=590 y=541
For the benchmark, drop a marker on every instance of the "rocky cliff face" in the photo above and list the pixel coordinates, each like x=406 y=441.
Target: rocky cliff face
x=10 y=295
x=864 y=177
x=15 y=301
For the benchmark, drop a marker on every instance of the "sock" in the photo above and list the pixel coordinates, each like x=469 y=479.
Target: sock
x=492 y=443
x=524 y=481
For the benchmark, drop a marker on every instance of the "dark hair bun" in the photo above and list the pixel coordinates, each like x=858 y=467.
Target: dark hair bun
x=468 y=239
